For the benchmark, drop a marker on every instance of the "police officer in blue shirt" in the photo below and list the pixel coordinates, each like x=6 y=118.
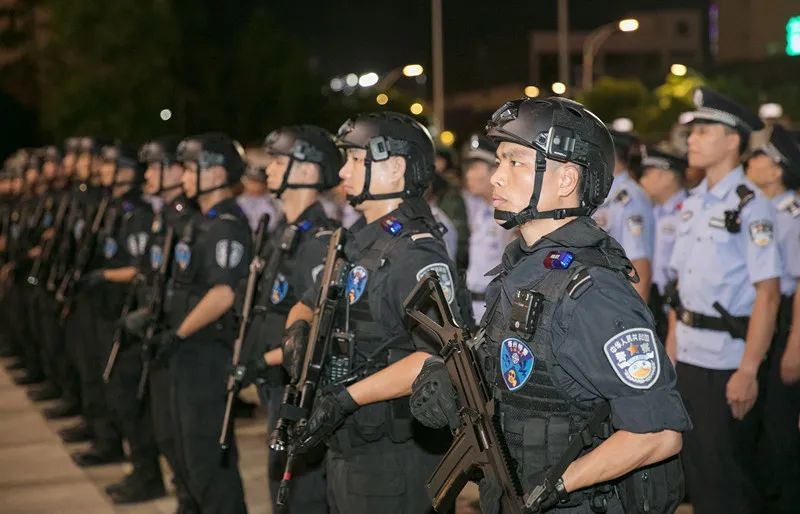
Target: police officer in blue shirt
x=627 y=214
x=775 y=169
x=728 y=267
x=209 y=263
x=566 y=336
x=487 y=239
x=663 y=181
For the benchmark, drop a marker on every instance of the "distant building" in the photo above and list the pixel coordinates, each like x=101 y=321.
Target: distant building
x=664 y=37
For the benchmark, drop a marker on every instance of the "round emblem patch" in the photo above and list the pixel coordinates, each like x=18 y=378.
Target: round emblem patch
x=279 y=289
x=356 y=283
x=110 y=247
x=516 y=363
x=156 y=257
x=633 y=356
x=183 y=255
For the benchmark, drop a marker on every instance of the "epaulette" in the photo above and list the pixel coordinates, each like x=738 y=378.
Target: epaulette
x=580 y=282
x=323 y=232
x=228 y=217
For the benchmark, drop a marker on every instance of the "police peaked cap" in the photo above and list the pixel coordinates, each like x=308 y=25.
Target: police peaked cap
x=712 y=107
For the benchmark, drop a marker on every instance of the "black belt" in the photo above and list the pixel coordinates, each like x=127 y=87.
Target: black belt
x=698 y=320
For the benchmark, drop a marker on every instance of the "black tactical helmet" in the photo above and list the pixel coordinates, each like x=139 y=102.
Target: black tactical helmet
x=123 y=156
x=481 y=148
x=213 y=149
x=50 y=153
x=72 y=145
x=306 y=143
x=160 y=150
x=561 y=130
x=382 y=135
x=163 y=152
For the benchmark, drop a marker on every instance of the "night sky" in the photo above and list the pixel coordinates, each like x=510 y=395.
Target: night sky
x=485 y=42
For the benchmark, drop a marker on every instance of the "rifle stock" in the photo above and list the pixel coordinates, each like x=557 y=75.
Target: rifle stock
x=478 y=449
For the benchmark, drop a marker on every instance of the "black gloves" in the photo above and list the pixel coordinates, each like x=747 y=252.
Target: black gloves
x=330 y=411
x=294 y=348
x=165 y=345
x=547 y=493
x=433 y=398
x=136 y=322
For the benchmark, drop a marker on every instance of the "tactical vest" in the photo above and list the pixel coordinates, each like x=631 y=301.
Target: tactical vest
x=363 y=345
x=538 y=417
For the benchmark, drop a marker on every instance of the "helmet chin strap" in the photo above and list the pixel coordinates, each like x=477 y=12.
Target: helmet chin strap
x=530 y=213
x=286 y=185
x=365 y=195
x=161 y=188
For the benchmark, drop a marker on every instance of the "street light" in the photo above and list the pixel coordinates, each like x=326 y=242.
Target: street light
x=531 y=91
x=382 y=99
x=679 y=70
x=416 y=108
x=447 y=138
x=559 y=88
x=413 y=70
x=593 y=42
x=368 y=79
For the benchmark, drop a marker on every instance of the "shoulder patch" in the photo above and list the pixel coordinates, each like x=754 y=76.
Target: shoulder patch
x=228 y=253
x=634 y=358
x=761 y=232
x=623 y=197
x=636 y=224
x=137 y=243
x=445 y=278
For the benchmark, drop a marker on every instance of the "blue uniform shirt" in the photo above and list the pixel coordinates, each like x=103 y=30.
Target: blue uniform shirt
x=487 y=242
x=787 y=233
x=714 y=265
x=627 y=216
x=666 y=218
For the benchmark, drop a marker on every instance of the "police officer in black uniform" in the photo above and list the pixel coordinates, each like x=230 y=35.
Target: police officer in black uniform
x=121 y=242
x=378 y=457
x=163 y=177
x=565 y=332
x=44 y=314
x=79 y=324
x=304 y=161
x=69 y=379
x=210 y=260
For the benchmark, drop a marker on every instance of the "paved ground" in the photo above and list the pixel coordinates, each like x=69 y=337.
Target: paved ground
x=37 y=475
